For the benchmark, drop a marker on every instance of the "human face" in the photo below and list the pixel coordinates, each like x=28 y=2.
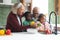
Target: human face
x=20 y=10
x=29 y=17
x=35 y=12
x=43 y=19
x=36 y=15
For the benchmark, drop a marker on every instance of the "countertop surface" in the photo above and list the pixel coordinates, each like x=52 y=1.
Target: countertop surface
x=30 y=36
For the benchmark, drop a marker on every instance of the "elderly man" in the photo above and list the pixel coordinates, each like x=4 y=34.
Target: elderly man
x=14 y=20
x=35 y=13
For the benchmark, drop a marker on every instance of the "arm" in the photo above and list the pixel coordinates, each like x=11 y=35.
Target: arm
x=15 y=25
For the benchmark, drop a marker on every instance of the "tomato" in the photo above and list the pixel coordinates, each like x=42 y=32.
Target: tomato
x=47 y=31
x=8 y=32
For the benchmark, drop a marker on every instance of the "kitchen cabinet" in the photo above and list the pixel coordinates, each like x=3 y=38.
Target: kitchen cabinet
x=57 y=6
x=57 y=9
x=4 y=11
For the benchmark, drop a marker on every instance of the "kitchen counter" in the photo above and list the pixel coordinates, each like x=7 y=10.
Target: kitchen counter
x=30 y=36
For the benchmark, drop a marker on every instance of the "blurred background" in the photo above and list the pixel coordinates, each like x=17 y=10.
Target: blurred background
x=45 y=7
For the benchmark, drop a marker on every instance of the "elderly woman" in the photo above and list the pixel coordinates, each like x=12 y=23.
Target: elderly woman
x=14 y=20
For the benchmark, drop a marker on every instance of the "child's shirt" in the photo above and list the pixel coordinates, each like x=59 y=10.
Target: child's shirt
x=43 y=26
x=26 y=23
x=35 y=19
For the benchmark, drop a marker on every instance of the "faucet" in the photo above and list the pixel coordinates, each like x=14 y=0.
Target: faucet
x=55 y=29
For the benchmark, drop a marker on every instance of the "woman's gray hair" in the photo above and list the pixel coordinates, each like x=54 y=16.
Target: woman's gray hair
x=15 y=7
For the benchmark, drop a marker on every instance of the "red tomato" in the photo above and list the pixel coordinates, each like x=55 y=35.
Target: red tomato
x=47 y=31
x=8 y=32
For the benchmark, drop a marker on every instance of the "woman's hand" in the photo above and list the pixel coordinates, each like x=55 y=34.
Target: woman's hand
x=40 y=30
x=34 y=25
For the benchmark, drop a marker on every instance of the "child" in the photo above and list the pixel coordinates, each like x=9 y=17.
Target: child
x=28 y=20
x=44 y=26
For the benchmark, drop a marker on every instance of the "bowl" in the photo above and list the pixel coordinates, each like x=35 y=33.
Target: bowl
x=32 y=30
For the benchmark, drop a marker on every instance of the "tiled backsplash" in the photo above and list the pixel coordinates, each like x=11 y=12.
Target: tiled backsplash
x=4 y=11
x=3 y=15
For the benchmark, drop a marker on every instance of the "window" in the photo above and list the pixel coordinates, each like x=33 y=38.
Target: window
x=42 y=5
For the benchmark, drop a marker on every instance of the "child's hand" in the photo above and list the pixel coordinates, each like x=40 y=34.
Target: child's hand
x=41 y=30
x=48 y=31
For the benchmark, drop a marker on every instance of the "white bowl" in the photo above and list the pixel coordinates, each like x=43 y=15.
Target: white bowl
x=32 y=30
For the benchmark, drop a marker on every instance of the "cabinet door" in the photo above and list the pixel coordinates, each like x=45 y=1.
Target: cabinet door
x=57 y=6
